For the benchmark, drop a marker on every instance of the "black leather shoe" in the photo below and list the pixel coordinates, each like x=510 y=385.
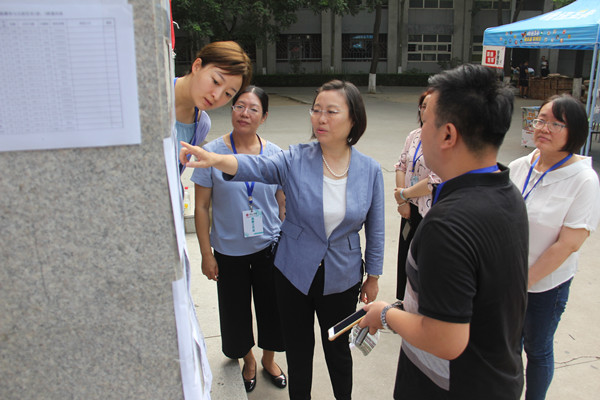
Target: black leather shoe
x=278 y=380
x=249 y=384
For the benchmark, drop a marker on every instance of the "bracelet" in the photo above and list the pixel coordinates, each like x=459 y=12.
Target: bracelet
x=403 y=203
x=373 y=276
x=402 y=195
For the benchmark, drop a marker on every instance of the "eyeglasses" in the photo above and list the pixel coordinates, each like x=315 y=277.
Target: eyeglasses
x=240 y=109
x=314 y=112
x=553 y=127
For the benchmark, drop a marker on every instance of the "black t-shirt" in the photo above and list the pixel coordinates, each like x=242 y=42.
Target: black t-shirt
x=468 y=264
x=523 y=72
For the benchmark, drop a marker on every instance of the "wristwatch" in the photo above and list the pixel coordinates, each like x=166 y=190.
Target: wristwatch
x=397 y=305
x=373 y=276
x=383 y=320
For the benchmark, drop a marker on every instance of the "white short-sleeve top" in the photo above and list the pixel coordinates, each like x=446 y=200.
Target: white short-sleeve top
x=568 y=196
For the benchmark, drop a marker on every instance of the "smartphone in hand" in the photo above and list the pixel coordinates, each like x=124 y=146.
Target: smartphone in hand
x=346 y=324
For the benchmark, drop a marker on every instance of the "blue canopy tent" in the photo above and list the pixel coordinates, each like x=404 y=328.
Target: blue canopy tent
x=572 y=27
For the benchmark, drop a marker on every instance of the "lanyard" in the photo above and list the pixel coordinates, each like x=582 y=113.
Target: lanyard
x=438 y=190
x=415 y=158
x=558 y=164
x=194 y=137
x=249 y=185
x=195 y=126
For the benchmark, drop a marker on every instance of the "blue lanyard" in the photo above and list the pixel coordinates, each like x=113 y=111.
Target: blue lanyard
x=196 y=111
x=249 y=185
x=415 y=158
x=193 y=143
x=485 y=170
x=558 y=164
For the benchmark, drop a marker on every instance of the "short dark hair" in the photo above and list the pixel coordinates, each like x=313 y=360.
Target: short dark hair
x=230 y=57
x=356 y=107
x=471 y=98
x=259 y=92
x=570 y=111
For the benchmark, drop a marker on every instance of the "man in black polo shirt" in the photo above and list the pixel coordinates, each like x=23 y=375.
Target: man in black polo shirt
x=467 y=267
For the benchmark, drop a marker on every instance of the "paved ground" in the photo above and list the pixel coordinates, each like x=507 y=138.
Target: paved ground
x=391 y=116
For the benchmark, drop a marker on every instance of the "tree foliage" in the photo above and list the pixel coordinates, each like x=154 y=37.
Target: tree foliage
x=245 y=21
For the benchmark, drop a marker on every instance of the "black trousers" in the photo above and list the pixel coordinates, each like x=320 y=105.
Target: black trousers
x=404 y=246
x=240 y=279
x=297 y=312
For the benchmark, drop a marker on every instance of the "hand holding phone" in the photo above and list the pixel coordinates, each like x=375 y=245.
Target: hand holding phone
x=346 y=324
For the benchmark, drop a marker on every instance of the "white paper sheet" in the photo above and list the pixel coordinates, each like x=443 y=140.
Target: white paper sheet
x=195 y=372
x=67 y=75
x=175 y=192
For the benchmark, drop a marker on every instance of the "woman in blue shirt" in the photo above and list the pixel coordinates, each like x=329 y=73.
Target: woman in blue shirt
x=220 y=70
x=246 y=218
x=332 y=191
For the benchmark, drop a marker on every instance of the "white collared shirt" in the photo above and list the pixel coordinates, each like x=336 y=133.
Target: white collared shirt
x=568 y=196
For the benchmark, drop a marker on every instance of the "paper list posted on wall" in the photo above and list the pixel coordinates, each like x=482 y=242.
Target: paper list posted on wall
x=67 y=75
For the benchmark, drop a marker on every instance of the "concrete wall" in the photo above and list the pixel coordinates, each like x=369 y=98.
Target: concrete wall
x=88 y=254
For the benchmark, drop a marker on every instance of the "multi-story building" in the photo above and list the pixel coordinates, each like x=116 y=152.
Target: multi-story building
x=415 y=35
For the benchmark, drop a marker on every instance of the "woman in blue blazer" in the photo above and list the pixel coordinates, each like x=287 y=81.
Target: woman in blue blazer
x=332 y=191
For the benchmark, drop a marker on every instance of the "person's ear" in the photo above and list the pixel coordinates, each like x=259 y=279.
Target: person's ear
x=197 y=64
x=450 y=136
x=264 y=118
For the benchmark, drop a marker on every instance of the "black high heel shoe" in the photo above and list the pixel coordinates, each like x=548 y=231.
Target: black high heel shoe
x=249 y=384
x=278 y=380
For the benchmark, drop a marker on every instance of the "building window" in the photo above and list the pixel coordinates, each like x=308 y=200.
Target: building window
x=431 y=4
x=477 y=49
x=430 y=48
x=491 y=4
x=528 y=5
x=359 y=46
x=298 y=47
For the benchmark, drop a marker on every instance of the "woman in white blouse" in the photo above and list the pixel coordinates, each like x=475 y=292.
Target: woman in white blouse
x=562 y=194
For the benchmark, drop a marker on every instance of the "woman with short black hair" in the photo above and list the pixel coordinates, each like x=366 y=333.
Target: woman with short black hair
x=332 y=191
x=562 y=195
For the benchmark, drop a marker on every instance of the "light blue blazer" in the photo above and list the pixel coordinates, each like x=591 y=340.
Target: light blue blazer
x=303 y=244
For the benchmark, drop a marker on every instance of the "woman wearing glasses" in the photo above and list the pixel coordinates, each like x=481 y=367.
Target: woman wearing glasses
x=332 y=191
x=220 y=70
x=246 y=218
x=562 y=195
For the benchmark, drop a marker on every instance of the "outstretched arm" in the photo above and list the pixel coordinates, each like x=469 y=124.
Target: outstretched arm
x=442 y=339
x=224 y=162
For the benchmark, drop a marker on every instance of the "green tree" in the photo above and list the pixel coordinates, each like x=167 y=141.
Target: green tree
x=353 y=7
x=249 y=22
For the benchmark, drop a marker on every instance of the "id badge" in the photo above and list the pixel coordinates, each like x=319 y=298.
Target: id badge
x=406 y=230
x=253 y=223
x=414 y=180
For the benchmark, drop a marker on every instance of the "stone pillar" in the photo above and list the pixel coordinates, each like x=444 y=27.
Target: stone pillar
x=271 y=58
x=326 y=41
x=393 y=44
x=260 y=67
x=461 y=40
x=337 y=43
x=403 y=34
x=88 y=255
